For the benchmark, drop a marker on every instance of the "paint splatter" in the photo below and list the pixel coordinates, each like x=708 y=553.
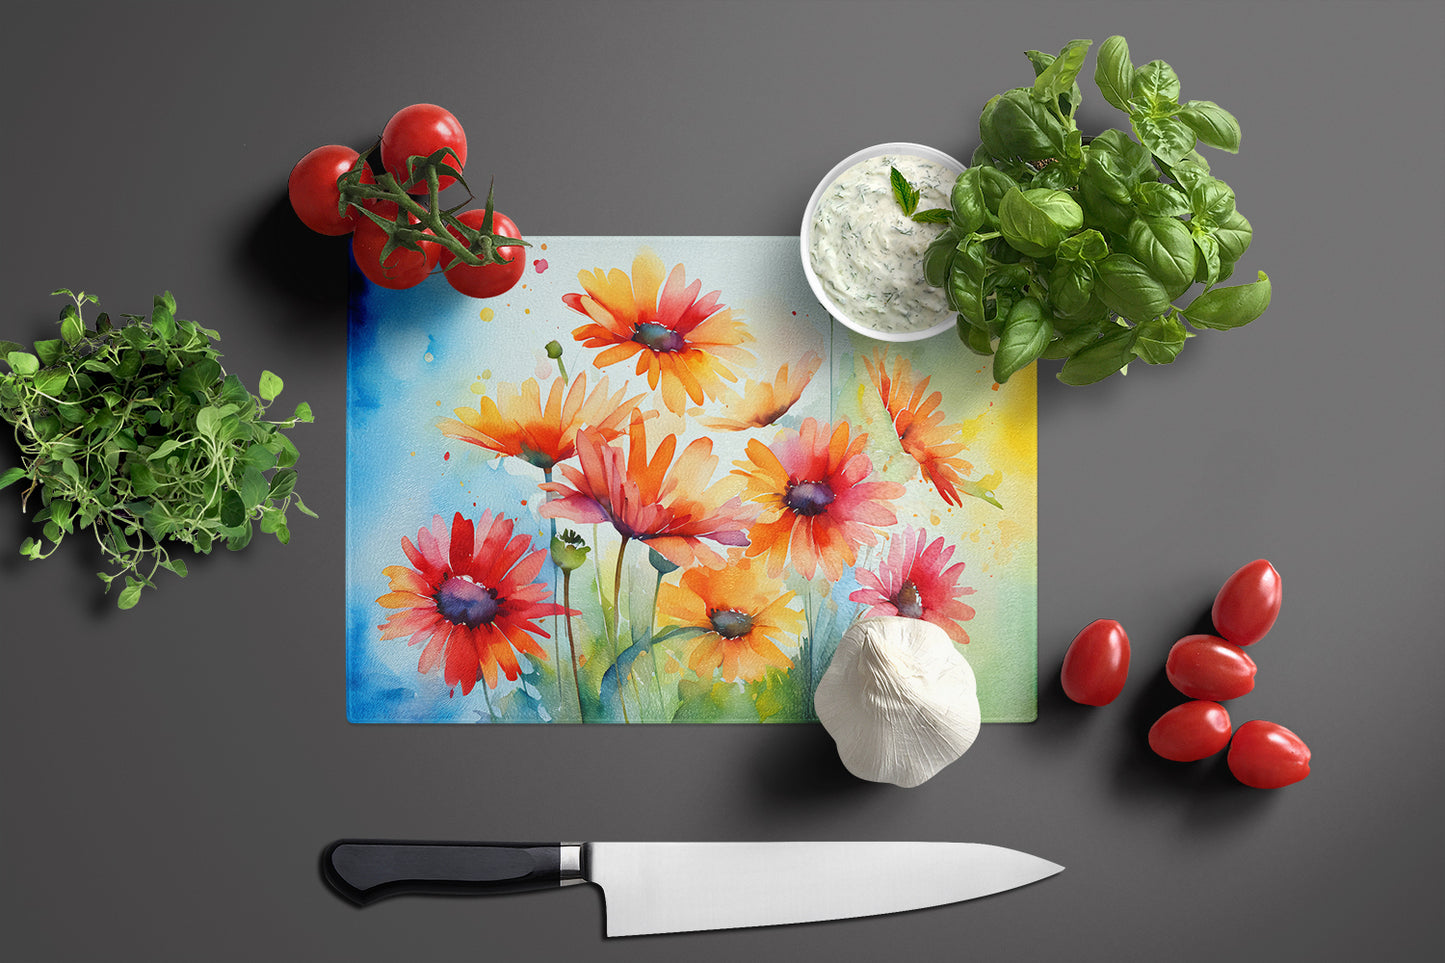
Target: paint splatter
x=446 y=456
x=487 y=314
x=540 y=264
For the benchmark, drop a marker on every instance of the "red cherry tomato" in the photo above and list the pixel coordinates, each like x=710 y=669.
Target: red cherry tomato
x=1206 y=667
x=313 y=192
x=1097 y=663
x=1192 y=731
x=1248 y=604
x=403 y=268
x=1266 y=755
x=487 y=280
x=421 y=130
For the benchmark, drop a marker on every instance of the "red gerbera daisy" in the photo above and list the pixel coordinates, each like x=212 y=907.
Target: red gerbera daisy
x=470 y=595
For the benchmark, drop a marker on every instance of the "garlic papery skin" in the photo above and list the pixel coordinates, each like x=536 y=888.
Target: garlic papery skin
x=899 y=699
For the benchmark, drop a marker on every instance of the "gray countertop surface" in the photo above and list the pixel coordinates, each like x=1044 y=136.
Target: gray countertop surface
x=172 y=773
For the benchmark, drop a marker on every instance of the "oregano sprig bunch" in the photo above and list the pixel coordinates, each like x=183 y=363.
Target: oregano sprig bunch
x=1062 y=248
x=136 y=434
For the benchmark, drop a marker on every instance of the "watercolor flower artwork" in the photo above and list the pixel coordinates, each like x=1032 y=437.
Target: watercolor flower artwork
x=657 y=483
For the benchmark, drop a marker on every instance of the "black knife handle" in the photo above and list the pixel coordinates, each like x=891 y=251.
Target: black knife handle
x=366 y=870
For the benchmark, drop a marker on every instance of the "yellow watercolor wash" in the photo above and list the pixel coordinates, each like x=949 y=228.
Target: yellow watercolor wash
x=487 y=314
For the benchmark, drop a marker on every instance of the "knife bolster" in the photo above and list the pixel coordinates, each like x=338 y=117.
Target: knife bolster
x=365 y=870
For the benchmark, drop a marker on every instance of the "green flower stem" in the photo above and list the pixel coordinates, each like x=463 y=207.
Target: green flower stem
x=571 y=640
x=616 y=622
x=656 y=665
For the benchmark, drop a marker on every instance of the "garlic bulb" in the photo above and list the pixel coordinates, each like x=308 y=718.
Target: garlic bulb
x=899 y=699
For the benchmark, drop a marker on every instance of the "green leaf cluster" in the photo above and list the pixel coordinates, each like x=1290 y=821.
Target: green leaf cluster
x=1077 y=250
x=137 y=435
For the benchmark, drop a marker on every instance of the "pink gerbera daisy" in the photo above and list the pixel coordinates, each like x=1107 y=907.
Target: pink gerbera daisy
x=917 y=582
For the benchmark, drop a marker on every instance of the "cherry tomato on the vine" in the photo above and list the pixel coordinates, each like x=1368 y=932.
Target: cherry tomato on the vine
x=1097 y=663
x=487 y=280
x=403 y=268
x=1248 y=603
x=1191 y=731
x=421 y=130
x=313 y=192
x=1206 y=667
x=1266 y=755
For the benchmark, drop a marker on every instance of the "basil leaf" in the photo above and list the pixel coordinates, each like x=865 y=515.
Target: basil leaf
x=994 y=184
x=1159 y=340
x=1212 y=124
x=938 y=258
x=1035 y=221
x=1156 y=87
x=1160 y=200
x=1114 y=72
x=1057 y=78
x=1070 y=342
x=1087 y=245
x=1233 y=235
x=1071 y=286
x=1210 y=199
x=1015 y=125
x=1168 y=139
x=1209 y=260
x=1128 y=288
x=974 y=338
x=1099 y=359
x=1232 y=307
x=1165 y=247
x=970 y=211
x=966 y=278
x=1026 y=334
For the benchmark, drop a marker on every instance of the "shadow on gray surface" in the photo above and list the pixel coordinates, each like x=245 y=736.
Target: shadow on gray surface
x=308 y=269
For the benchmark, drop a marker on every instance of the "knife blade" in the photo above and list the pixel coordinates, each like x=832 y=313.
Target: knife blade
x=662 y=887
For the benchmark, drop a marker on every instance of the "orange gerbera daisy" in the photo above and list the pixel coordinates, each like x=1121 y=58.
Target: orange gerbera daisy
x=918 y=422
x=761 y=404
x=682 y=342
x=743 y=616
x=916 y=582
x=470 y=595
x=518 y=424
x=817 y=501
x=653 y=499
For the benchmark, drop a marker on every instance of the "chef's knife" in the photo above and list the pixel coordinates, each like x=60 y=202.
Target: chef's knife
x=675 y=887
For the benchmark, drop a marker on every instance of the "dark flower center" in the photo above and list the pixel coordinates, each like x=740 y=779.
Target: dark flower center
x=908 y=602
x=730 y=624
x=463 y=602
x=658 y=337
x=808 y=497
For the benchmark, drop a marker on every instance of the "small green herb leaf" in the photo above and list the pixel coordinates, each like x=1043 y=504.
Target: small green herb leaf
x=1159 y=340
x=270 y=386
x=903 y=192
x=23 y=363
x=934 y=215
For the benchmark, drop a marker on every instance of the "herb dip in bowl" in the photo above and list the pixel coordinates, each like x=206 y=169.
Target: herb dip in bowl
x=863 y=256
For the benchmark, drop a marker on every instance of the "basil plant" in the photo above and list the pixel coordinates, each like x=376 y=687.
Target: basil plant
x=1075 y=250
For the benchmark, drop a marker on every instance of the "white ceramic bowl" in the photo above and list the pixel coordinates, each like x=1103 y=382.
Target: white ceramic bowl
x=946 y=318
